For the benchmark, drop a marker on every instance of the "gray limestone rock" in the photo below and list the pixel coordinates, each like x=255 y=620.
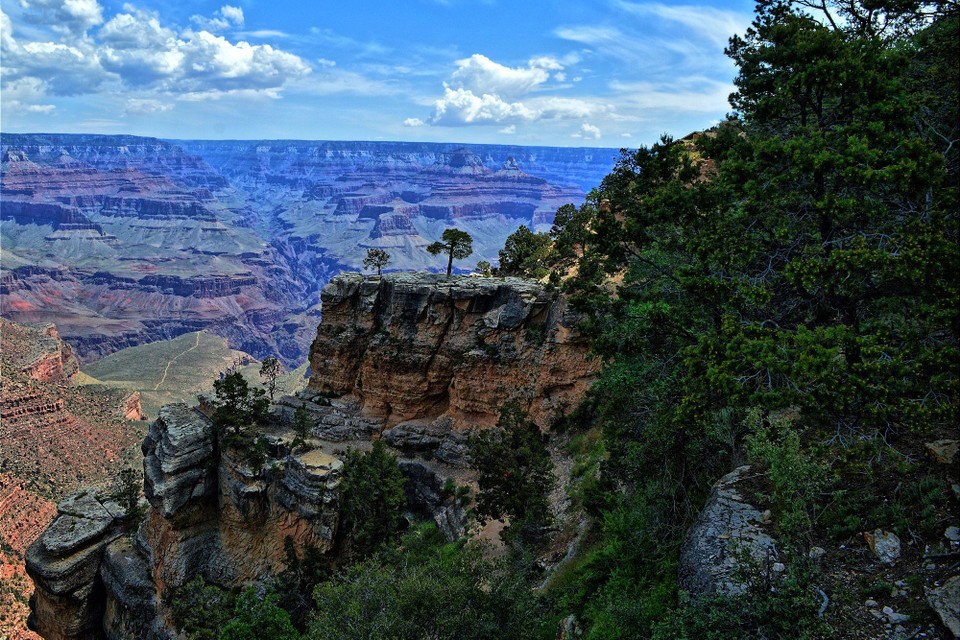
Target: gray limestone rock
x=945 y=601
x=425 y=493
x=178 y=456
x=728 y=534
x=63 y=563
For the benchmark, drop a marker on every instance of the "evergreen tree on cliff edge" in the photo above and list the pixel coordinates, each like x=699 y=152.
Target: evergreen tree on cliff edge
x=456 y=244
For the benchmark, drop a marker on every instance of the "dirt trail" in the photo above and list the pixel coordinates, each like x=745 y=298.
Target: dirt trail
x=167 y=368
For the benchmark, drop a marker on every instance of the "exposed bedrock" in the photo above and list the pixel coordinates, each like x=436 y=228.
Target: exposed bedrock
x=210 y=515
x=419 y=346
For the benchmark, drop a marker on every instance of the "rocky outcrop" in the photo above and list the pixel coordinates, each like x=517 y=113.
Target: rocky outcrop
x=429 y=494
x=64 y=562
x=210 y=515
x=433 y=356
x=729 y=537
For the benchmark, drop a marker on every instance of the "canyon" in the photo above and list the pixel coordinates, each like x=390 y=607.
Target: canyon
x=99 y=573
x=123 y=240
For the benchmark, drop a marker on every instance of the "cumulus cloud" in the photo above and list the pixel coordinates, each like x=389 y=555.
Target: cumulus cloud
x=481 y=75
x=63 y=16
x=587 y=132
x=413 y=122
x=134 y=49
x=227 y=17
x=484 y=92
x=509 y=130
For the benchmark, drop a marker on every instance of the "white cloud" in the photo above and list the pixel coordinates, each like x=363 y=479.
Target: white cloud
x=626 y=135
x=134 y=49
x=413 y=122
x=460 y=107
x=145 y=106
x=63 y=16
x=509 y=130
x=484 y=92
x=227 y=17
x=587 y=132
x=41 y=108
x=480 y=75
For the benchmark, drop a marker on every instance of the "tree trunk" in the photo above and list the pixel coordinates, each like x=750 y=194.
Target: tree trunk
x=450 y=264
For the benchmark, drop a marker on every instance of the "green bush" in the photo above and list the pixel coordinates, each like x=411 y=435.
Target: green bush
x=425 y=588
x=372 y=499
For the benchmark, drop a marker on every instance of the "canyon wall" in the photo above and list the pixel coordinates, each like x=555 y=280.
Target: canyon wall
x=418 y=360
x=433 y=358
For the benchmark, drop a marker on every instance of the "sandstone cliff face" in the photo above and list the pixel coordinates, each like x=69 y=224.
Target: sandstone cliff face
x=210 y=515
x=420 y=347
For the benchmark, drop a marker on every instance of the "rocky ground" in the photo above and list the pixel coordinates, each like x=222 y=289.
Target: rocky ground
x=874 y=583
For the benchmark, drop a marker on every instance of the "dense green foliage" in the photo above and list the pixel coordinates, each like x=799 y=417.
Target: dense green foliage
x=372 y=499
x=237 y=406
x=781 y=288
x=455 y=243
x=206 y=612
x=425 y=588
x=525 y=254
x=201 y=610
x=514 y=474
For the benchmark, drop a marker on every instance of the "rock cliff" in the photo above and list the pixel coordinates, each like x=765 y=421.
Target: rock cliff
x=210 y=515
x=431 y=356
x=419 y=360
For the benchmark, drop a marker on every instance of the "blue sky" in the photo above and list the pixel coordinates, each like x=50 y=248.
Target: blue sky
x=564 y=73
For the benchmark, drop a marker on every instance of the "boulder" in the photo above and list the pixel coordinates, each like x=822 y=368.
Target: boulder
x=884 y=544
x=728 y=535
x=945 y=601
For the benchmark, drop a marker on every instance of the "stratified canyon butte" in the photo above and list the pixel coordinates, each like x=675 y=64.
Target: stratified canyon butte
x=122 y=240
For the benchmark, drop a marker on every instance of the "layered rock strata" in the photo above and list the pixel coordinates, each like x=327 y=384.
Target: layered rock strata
x=210 y=515
x=434 y=357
